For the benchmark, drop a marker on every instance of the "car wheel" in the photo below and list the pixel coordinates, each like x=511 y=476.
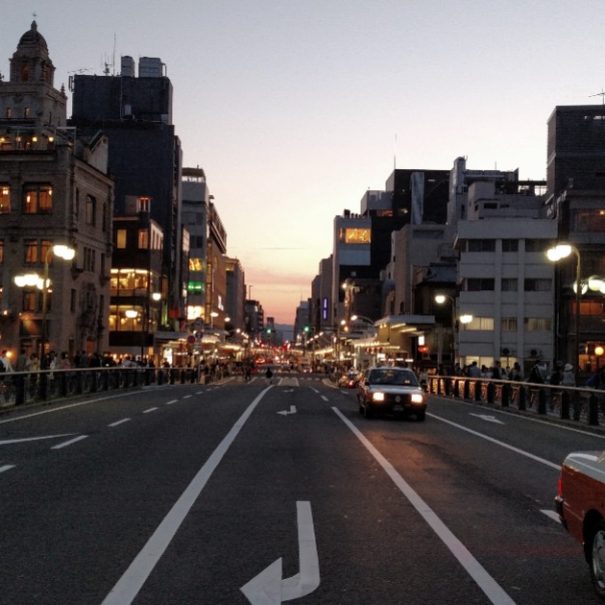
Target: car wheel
x=420 y=416
x=597 y=559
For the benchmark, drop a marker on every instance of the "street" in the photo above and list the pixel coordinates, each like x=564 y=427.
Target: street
x=256 y=493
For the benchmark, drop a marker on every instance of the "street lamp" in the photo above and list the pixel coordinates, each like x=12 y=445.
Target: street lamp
x=441 y=299
x=555 y=254
x=62 y=251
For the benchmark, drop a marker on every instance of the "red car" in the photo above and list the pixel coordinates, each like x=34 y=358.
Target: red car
x=580 y=502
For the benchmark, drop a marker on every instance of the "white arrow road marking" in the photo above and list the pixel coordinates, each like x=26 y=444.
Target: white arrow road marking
x=551 y=514
x=9 y=441
x=488 y=418
x=268 y=588
x=286 y=412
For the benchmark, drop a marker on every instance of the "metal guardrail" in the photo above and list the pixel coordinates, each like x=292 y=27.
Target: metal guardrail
x=19 y=388
x=581 y=404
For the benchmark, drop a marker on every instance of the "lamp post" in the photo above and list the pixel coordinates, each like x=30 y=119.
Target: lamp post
x=441 y=299
x=555 y=254
x=67 y=253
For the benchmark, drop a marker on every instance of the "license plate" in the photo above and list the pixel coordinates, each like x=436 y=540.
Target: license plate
x=397 y=408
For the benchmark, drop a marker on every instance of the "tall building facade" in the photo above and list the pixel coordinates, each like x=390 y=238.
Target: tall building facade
x=145 y=158
x=54 y=190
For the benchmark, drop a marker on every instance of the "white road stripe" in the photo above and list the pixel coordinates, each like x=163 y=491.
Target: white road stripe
x=557 y=467
x=314 y=390
x=6 y=467
x=187 y=396
x=66 y=443
x=128 y=586
x=199 y=392
x=148 y=410
x=486 y=583
x=118 y=422
x=324 y=398
x=551 y=514
x=171 y=401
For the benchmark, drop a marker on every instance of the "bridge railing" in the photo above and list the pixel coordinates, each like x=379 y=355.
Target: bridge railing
x=581 y=404
x=19 y=388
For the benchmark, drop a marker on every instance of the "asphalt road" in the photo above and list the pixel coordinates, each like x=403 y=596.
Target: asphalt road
x=185 y=494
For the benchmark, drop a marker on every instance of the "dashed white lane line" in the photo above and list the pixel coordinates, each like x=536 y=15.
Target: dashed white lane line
x=6 y=467
x=171 y=401
x=324 y=398
x=187 y=396
x=149 y=410
x=551 y=514
x=118 y=422
x=70 y=442
x=199 y=392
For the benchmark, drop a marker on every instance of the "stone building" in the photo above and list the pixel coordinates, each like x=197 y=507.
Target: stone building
x=54 y=189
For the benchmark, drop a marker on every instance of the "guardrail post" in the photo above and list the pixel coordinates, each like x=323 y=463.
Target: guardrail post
x=593 y=411
x=522 y=398
x=172 y=376
x=466 y=389
x=19 y=389
x=93 y=381
x=477 y=390
x=63 y=384
x=542 y=401
x=506 y=388
x=79 y=388
x=565 y=405
x=490 y=392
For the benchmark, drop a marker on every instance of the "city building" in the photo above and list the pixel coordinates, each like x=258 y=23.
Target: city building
x=56 y=199
x=135 y=113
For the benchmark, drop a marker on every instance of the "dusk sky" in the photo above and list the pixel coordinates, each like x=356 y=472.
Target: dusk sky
x=295 y=109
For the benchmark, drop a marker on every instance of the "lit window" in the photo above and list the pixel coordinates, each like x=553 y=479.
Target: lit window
x=143 y=239
x=121 y=238
x=509 y=324
x=143 y=204
x=38 y=199
x=196 y=264
x=480 y=323
x=537 y=324
x=5 y=199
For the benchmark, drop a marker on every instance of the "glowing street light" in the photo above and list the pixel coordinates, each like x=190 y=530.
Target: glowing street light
x=555 y=254
x=67 y=253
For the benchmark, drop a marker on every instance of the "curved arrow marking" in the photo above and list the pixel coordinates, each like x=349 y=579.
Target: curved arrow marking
x=286 y=412
x=268 y=587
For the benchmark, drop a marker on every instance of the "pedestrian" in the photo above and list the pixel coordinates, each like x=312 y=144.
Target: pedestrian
x=516 y=373
x=6 y=364
x=269 y=375
x=535 y=374
x=568 y=377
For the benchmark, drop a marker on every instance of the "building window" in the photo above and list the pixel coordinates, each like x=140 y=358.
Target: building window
x=538 y=285
x=27 y=112
x=104 y=219
x=121 y=239
x=143 y=239
x=478 y=284
x=508 y=284
x=196 y=264
x=38 y=199
x=89 y=259
x=30 y=300
x=480 y=323
x=5 y=199
x=508 y=324
x=481 y=245
x=143 y=204
x=35 y=251
x=537 y=324
x=510 y=245
x=91 y=210
x=588 y=220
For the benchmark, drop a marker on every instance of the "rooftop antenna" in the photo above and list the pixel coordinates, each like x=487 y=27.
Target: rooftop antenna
x=395 y=152
x=599 y=94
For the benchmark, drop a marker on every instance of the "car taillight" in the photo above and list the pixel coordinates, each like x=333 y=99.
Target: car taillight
x=560 y=486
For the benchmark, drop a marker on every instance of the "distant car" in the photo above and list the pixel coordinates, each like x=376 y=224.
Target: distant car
x=391 y=390
x=349 y=380
x=305 y=369
x=580 y=502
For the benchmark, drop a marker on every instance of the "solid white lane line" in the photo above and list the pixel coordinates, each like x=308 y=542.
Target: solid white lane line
x=557 y=467
x=148 y=410
x=118 y=422
x=6 y=467
x=324 y=398
x=551 y=514
x=128 y=586
x=66 y=443
x=171 y=401
x=486 y=583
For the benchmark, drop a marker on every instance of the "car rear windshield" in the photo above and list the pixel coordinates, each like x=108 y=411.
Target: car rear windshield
x=397 y=377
